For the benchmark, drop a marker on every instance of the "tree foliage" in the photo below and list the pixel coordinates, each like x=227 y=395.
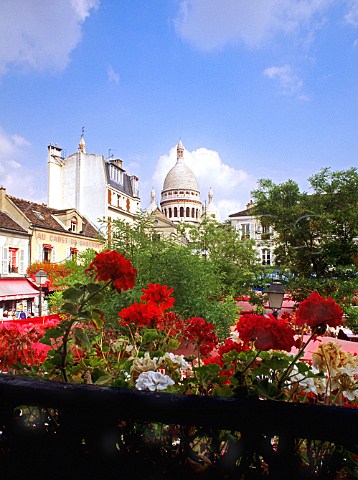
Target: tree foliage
x=234 y=259
x=199 y=287
x=316 y=232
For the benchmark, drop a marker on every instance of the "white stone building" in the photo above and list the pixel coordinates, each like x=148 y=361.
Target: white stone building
x=180 y=197
x=97 y=187
x=249 y=226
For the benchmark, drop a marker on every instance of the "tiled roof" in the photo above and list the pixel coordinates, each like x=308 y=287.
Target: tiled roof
x=7 y=223
x=243 y=213
x=42 y=216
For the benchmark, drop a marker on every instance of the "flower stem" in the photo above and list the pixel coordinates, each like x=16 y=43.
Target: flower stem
x=288 y=370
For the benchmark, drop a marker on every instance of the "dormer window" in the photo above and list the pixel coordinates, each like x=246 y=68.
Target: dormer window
x=38 y=215
x=116 y=174
x=73 y=224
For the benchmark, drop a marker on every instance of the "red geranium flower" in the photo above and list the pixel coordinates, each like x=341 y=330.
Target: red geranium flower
x=230 y=345
x=141 y=314
x=202 y=333
x=112 y=266
x=316 y=310
x=266 y=332
x=171 y=323
x=159 y=294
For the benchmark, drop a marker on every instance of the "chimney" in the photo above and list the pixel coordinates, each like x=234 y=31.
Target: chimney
x=53 y=151
x=2 y=198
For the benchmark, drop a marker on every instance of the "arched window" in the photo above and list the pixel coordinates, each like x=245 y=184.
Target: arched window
x=181 y=212
x=170 y=213
x=175 y=212
x=193 y=212
x=187 y=212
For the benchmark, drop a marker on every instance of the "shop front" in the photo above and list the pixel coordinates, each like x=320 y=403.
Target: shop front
x=17 y=295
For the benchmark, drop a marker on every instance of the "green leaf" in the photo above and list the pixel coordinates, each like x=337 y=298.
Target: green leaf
x=265 y=355
x=93 y=288
x=207 y=372
x=72 y=294
x=223 y=391
x=150 y=335
x=268 y=390
x=97 y=318
x=81 y=338
x=56 y=358
x=173 y=344
x=103 y=380
x=50 y=335
x=303 y=367
x=275 y=363
x=69 y=308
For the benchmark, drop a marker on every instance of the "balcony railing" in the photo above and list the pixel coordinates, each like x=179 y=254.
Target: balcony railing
x=85 y=431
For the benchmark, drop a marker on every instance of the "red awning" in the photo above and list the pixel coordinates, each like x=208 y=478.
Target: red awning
x=73 y=250
x=47 y=245
x=16 y=289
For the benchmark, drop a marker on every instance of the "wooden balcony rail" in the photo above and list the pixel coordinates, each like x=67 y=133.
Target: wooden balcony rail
x=83 y=414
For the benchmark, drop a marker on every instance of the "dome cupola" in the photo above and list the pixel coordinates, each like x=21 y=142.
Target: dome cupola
x=180 y=197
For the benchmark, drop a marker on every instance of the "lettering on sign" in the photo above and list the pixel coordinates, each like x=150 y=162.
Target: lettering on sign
x=51 y=238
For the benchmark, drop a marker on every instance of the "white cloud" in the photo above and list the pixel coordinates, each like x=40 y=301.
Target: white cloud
x=41 y=34
x=290 y=83
x=231 y=187
x=17 y=180
x=211 y=25
x=351 y=16
x=113 y=76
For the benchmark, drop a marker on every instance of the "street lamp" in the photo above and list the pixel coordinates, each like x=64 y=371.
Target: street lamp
x=275 y=294
x=41 y=279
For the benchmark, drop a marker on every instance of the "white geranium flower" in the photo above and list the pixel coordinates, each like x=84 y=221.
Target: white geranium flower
x=234 y=336
x=315 y=385
x=144 y=364
x=153 y=381
x=351 y=394
x=177 y=361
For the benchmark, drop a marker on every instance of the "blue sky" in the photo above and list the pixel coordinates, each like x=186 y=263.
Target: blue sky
x=254 y=88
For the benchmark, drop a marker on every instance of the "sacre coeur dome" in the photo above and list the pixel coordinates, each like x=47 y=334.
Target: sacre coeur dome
x=180 y=176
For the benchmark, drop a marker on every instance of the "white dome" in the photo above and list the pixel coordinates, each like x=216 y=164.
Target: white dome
x=180 y=177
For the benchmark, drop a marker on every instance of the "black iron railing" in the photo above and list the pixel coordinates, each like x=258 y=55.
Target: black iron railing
x=84 y=431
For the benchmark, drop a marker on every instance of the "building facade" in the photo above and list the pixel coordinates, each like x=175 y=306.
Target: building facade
x=249 y=226
x=32 y=232
x=100 y=189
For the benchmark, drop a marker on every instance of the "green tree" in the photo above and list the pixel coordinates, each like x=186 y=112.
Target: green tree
x=233 y=259
x=198 y=289
x=315 y=233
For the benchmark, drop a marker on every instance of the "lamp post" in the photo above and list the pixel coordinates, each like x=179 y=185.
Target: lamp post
x=41 y=279
x=275 y=294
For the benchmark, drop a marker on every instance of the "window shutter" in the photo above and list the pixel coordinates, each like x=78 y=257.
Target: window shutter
x=53 y=256
x=5 y=254
x=22 y=260
x=39 y=253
